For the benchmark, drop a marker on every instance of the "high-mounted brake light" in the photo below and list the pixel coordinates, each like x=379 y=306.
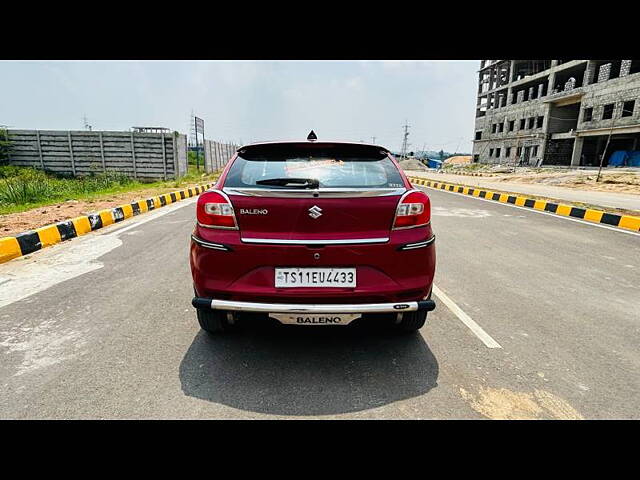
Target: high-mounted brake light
x=414 y=210
x=214 y=210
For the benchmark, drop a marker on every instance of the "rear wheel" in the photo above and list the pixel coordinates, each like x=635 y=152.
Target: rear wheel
x=213 y=321
x=412 y=321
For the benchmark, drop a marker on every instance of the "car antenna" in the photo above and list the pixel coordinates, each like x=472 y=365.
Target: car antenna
x=312 y=136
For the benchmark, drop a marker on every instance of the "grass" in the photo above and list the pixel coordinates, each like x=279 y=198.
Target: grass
x=24 y=188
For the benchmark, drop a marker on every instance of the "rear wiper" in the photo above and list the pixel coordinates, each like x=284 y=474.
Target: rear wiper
x=283 y=182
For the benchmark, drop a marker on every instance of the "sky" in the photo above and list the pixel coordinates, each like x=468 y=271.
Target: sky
x=249 y=101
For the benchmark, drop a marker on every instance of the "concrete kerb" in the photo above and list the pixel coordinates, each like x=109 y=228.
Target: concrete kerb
x=627 y=222
x=33 y=240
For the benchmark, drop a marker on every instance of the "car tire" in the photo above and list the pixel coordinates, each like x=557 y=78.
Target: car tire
x=412 y=321
x=213 y=321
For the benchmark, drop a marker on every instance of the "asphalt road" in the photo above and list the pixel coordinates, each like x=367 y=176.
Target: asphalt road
x=102 y=327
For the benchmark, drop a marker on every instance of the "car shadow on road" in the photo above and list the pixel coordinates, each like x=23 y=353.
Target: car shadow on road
x=303 y=371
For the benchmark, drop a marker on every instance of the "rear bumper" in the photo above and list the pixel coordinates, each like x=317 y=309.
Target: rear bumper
x=400 y=270
x=229 y=305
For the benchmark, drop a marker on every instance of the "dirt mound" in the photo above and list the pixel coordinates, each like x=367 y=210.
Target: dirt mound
x=458 y=160
x=413 y=164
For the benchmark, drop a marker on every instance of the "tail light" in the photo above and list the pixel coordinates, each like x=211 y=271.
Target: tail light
x=214 y=210
x=414 y=210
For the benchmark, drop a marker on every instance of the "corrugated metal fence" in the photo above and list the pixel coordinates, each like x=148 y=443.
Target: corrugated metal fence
x=145 y=156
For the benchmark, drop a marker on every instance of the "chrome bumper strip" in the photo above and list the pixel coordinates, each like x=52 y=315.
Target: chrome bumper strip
x=399 y=307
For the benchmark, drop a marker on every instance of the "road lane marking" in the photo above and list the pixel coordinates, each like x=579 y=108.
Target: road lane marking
x=493 y=202
x=466 y=319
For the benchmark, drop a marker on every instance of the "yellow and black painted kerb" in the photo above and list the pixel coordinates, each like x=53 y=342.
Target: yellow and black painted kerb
x=627 y=222
x=33 y=240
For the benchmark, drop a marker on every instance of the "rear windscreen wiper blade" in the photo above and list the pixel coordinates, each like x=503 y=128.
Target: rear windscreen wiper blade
x=283 y=182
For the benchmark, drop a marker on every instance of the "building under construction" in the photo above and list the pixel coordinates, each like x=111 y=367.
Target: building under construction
x=556 y=112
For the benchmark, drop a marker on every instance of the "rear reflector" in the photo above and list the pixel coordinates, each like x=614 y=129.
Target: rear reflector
x=214 y=210
x=414 y=210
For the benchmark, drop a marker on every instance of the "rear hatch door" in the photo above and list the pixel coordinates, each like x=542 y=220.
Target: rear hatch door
x=314 y=192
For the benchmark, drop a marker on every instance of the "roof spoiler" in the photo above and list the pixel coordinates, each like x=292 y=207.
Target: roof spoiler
x=315 y=145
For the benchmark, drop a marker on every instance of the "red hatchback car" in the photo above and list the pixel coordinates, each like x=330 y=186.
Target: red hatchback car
x=313 y=233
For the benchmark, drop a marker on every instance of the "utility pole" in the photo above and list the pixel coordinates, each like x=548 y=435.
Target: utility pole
x=405 y=144
x=373 y=140
x=86 y=123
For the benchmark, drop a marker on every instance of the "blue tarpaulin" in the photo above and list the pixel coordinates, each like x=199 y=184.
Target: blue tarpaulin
x=434 y=163
x=625 y=158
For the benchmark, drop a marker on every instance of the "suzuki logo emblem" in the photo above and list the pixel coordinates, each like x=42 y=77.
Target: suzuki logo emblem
x=315 y=211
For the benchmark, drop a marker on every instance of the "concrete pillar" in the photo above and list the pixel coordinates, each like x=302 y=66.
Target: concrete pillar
x=577 y=151
x=520 y=96
x=540 y=90
x=589 y=73
x=552 y=81
x=531 y=90
x=512 y=64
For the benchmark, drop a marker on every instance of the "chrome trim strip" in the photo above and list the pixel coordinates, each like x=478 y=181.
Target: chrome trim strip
x=315 y=193
x=413 y=246
x=346 y=241
x=399 y=307
x=214 y=246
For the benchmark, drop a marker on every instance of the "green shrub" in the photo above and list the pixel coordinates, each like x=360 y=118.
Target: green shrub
x=26 y=185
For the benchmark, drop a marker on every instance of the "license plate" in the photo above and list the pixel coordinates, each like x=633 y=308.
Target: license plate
x=317 y=319
x=315 y=277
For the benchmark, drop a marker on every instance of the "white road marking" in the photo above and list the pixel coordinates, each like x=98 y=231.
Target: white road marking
x=466 y=319
x=45 y=268
x=526 y=209
x=459 y=212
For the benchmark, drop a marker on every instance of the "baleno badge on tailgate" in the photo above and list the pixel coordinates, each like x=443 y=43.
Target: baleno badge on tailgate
x=254 y=211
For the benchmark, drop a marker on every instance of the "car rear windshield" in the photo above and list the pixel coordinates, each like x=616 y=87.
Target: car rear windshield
x=271 y=168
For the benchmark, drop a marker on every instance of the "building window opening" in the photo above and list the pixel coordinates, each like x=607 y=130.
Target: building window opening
x=627 y=108
x=588 y=114
x=479 y=135
x=522 y=123
x=539 y=122
x=607 y=112
x=531 y=121
x=497 y=153
x=511 y=125
x=507 y=152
